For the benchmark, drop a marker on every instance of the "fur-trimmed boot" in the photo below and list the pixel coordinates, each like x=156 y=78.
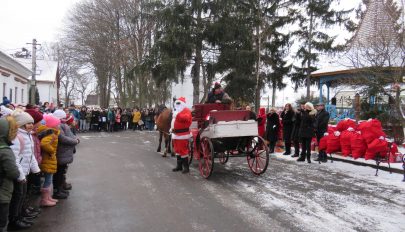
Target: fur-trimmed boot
x=179 y=166
x=45 y=195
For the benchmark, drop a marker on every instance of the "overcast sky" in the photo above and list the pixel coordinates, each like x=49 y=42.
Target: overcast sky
x=23 y=20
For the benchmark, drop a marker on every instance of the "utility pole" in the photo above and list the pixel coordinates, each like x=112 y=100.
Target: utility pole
x=33 y=83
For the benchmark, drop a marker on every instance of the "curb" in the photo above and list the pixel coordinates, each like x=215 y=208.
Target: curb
x=384 y=168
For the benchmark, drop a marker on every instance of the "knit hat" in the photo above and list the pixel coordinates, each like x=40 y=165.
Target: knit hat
x=310 y=105
x=22 y=117
x=37 y=116
x=51 y=121
x=4 y=111
x=60 y=114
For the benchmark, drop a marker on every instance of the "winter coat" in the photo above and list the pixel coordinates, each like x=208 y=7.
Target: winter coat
x=296 y=126
x=8 y=168
x=82 y=115
x=288 y=124
x=125 y=117
x=307 y=129
x=37 y=148
x=321 y=122
x=118 y=117
x=223 y=97
x=23 y=148
x=49 y=144
x=181 y=124
x=75 y=113
x=66 y=145
x=111 y=116
x=95 y=117
x=137 y=117
x=88 y=117
x=261 y=122
x=272 y=127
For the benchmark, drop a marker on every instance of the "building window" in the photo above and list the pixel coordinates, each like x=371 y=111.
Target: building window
x=15 y=94
x=22 y=96
x=4 y=89
x=11 y=95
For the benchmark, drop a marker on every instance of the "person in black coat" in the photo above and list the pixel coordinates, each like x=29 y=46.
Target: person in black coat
x=307 y=131
x=295 y=134
x=288 y=118
x=272 y=128
x=321 y=127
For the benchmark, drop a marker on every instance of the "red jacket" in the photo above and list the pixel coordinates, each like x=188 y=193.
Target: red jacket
x=182 y=122
x=261 y=120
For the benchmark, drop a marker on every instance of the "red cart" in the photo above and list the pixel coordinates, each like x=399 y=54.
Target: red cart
x=221 y=133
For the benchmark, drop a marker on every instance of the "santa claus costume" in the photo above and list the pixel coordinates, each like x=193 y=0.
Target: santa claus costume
x=181 y=134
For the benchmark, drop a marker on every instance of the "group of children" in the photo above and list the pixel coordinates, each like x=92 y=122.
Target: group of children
x=33 y=147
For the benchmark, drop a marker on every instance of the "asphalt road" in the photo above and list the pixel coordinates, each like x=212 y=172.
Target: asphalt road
x=121 y=184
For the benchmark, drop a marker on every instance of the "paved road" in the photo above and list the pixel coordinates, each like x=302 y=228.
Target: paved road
x=121 y=184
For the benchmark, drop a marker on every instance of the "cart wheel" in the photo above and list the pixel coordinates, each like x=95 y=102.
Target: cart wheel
x=257 y=154
x=190 y=150
x=206 y=161
x=223 y=157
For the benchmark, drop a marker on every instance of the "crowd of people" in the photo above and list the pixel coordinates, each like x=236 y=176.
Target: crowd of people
x=296 y=127
x=113 y=119
x=36 y=148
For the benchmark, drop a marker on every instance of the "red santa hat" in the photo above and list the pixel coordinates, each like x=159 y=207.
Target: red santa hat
x=180 y=104
x=182 y=99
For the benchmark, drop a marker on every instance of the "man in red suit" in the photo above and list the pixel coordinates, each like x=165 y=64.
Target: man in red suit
x=181 y=134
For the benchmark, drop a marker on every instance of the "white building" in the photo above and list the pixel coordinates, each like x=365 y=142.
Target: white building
x=14 y=82
x=46 y=78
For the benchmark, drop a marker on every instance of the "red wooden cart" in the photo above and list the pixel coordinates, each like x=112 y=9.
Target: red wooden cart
x=220 y=133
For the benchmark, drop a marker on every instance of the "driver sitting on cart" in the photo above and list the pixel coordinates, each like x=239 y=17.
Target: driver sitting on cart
x=218 y=95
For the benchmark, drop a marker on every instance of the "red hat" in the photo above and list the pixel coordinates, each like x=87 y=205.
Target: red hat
x=217 y=85
x=37 y=116
x=183 y=99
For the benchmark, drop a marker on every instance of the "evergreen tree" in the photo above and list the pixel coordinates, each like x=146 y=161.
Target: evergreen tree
x=315 y=17
x=36 y=95
x=179 y=40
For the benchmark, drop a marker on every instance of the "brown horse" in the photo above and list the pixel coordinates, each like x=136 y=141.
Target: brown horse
x=163 y=123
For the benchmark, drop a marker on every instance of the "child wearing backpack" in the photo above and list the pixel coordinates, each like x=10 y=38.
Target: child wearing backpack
x=48 y=135
x=23 y=149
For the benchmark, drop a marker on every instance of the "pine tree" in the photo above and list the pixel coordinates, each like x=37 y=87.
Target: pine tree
x=315 y=16
x=179 y=40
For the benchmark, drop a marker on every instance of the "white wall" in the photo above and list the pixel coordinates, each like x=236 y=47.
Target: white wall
x=47 y=92
x=10 y=86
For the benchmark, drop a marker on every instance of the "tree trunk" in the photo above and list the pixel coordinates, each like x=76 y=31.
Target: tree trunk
x=197 y=60
x=273 y=98
x=257 y=69
x=308 y=80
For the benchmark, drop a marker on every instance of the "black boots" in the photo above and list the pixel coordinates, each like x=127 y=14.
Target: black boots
x=287 y=148
x=322 y=157
x=182 y=165
x=272 y=146
x=303 y=156
x=179 y=166
x=60 y=193
x=18 y=225
x=309 y=158
x=185 y=165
